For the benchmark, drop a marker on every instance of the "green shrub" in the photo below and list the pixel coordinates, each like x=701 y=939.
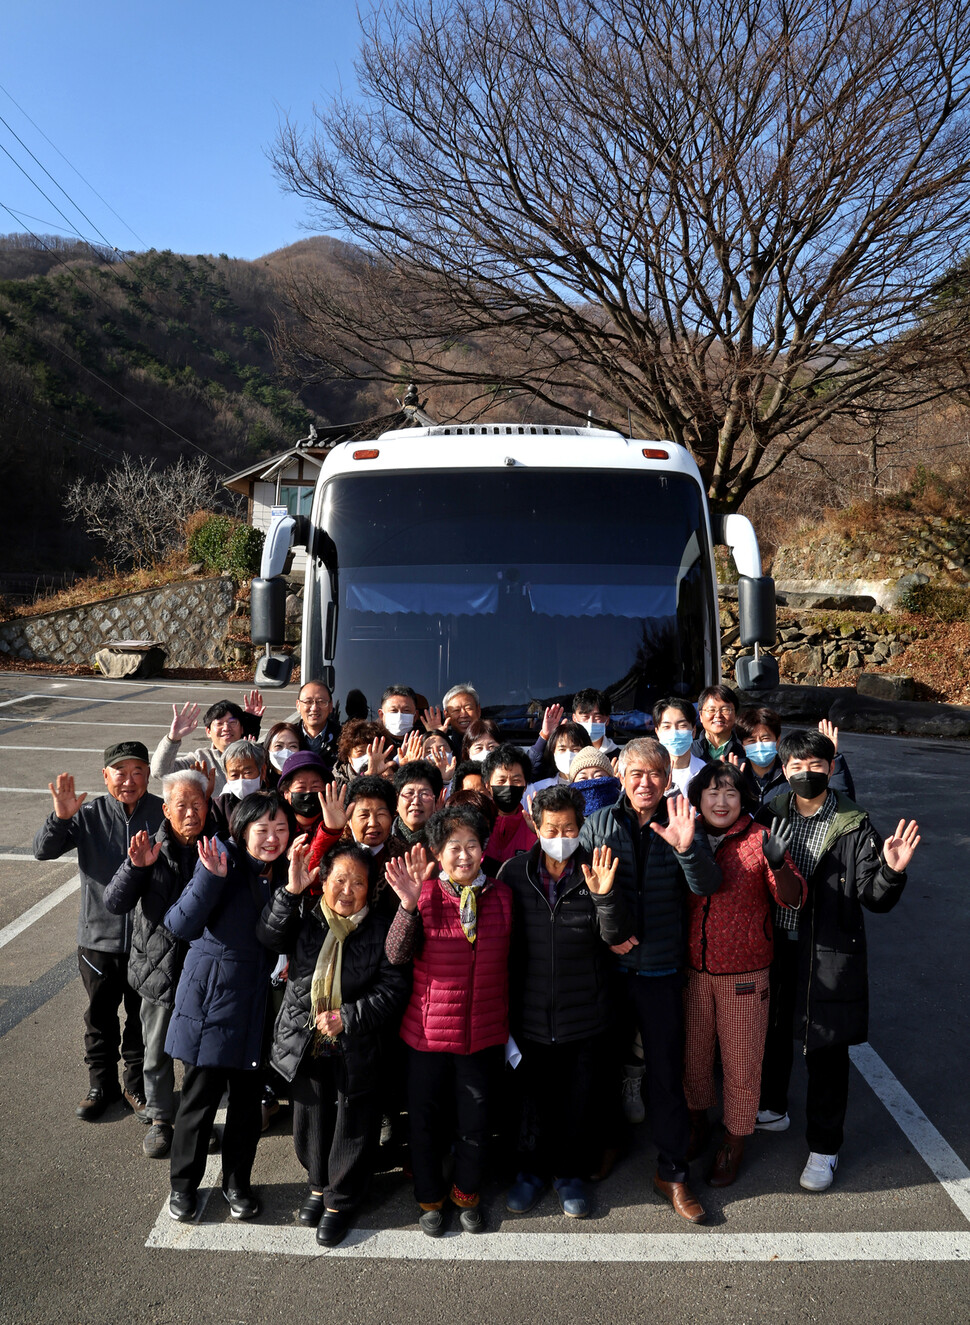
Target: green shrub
x=941 y=601
x=221 y=543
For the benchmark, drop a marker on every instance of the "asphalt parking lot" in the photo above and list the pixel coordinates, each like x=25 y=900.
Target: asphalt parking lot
x=84 y=1232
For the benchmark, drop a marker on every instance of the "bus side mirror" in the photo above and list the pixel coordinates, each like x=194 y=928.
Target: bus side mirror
x=267 y=610
x=756 y=610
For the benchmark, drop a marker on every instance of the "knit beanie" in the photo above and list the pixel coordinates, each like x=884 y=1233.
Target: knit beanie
x=589 y=757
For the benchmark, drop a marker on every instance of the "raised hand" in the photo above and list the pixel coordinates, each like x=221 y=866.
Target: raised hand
x=208 y=771
x=679 y=830
x=831 y=731
x=253 y=703
x=66 y=803
x=300 y=876
x=141 y=852
x=551 y=719
x=444 y=763
x=184 y=720
x=599 y=878
x=411 y=747
x=739 y=764
x=398 y=876
x=898 y=849
x=378 y=758
x=215 y=861
x=434 y=719
x=333 y=802
x=778 y=843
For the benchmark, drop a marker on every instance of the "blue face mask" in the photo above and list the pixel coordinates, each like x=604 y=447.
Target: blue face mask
x=597 y=730
x=762 y=753
x=599 y=792
x=678 y=741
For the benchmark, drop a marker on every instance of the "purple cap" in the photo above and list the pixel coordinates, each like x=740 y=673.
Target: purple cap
x=301 y=759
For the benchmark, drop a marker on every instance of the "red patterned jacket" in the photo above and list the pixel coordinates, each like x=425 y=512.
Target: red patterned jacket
x=731 y=931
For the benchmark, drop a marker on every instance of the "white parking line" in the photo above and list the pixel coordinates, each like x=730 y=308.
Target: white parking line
x=10 y=932
x=81 y=722
x=110 y=699
x=59 y=749
x=32 y=860
x=19 y=700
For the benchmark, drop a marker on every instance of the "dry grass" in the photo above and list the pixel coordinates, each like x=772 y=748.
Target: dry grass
x=107 y=583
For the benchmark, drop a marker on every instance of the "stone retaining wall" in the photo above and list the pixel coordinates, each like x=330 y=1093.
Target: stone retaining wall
x=190 y=621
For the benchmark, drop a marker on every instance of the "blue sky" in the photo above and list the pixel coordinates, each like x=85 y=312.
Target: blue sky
x=167 y=109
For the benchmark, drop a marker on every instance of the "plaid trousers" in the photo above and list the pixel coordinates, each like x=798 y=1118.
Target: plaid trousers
x=732 y=1011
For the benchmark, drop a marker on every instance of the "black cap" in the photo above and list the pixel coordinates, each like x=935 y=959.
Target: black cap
x=125 y=750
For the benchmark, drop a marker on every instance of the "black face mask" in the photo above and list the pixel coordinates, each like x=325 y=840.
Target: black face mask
x=808 y=785
x=305 y=803
x=508 y=798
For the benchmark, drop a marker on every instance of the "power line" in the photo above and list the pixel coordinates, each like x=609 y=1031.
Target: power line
x=52 y=225
x=87 y=218
x=74 y=168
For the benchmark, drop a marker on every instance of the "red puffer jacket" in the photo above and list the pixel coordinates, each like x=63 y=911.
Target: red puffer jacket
x=460 y=993
x=731 y=931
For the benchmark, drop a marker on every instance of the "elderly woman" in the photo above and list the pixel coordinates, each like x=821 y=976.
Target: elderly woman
x=455 y=923
x=363 y=747
x=245 y=765
x=363 y=813
x=729 y=950
x=342 y=995
x=591 y=773
x=220 y=1003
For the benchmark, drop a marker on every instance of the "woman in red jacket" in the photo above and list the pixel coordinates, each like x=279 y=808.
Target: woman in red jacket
x=455 y=923
x=729 y=950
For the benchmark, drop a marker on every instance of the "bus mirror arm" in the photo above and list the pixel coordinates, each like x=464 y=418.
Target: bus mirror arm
x=756 y=602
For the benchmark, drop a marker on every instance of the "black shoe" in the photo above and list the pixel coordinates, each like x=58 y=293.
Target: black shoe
x=243 y=1204
x=432 y=1222
x=311 y=1210
x=96 y=1101
x=332 y=1228
x=181 y=1206
x=136 y=1103
x=471 y=1219
x=158 y=1141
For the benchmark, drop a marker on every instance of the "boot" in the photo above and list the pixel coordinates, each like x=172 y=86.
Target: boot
x=727 y=1162
x=700 y=1133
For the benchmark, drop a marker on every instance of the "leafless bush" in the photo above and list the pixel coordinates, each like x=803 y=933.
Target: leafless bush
x=138 y=511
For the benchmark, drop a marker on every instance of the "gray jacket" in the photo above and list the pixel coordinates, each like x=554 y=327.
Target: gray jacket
x=101 y=831
x=166 y=759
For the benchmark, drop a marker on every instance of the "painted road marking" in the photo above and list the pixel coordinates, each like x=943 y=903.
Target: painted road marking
x=698 y=1244
x=702 y=1245
x=10 y=932
x=59 y=749
x=26 y=855
x=107 y=699
x=19 y=700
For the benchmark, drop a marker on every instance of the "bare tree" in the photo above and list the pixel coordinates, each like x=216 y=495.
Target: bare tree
x=138 y=511
x=725 y=217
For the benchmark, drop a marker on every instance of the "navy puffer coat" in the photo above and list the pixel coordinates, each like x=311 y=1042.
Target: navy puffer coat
x=220 y=1003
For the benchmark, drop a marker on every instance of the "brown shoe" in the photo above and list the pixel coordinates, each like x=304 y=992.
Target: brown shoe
x=727 y=1161
x=700 y=1133
x=681 y=1198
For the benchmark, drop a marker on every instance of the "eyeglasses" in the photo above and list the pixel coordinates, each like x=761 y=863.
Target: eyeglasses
x=417 y=795
x=314 y=703
x=718 y=713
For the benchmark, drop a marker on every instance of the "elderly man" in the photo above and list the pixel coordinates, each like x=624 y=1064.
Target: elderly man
x=224 y=723
x=147 y=883
x=101 y=831
x=319 y=728
x=461 y=707
x=652 y=838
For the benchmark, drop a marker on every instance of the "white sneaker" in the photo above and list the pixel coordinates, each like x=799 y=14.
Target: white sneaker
x=768 y=1120
x=631 y=1097
x=818 y=1173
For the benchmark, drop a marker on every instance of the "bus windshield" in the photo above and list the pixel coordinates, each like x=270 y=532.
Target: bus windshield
x=529 y=583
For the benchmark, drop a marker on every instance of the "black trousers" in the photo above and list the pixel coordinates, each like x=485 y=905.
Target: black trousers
x=448 y=1100
x=335 y=1134
x=105 y=979
x=828 y=1069
x=202 y=1091
x=657 y=1003
x=779 y=1052
x=563 y=1087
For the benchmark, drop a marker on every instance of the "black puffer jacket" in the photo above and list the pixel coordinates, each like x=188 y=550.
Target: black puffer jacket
x=374 y=992
x=559 y=962
x=833 y=975
x=156 y=957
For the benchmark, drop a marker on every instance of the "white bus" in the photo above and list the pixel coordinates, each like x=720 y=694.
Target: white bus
x=530 y=560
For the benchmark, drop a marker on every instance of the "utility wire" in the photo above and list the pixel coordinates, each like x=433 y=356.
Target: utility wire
x=78 y=209
x=74 y=168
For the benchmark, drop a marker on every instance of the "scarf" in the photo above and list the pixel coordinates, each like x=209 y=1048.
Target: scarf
x=467 y=902
x=400 y=829
x=325 y=993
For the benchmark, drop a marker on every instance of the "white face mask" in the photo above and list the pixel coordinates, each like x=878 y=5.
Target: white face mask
x=597 y=730
x=279 y=757
x=240 y=787
x=359 y=763
x=563 y=759
x=399 y=724
x=559 y=848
